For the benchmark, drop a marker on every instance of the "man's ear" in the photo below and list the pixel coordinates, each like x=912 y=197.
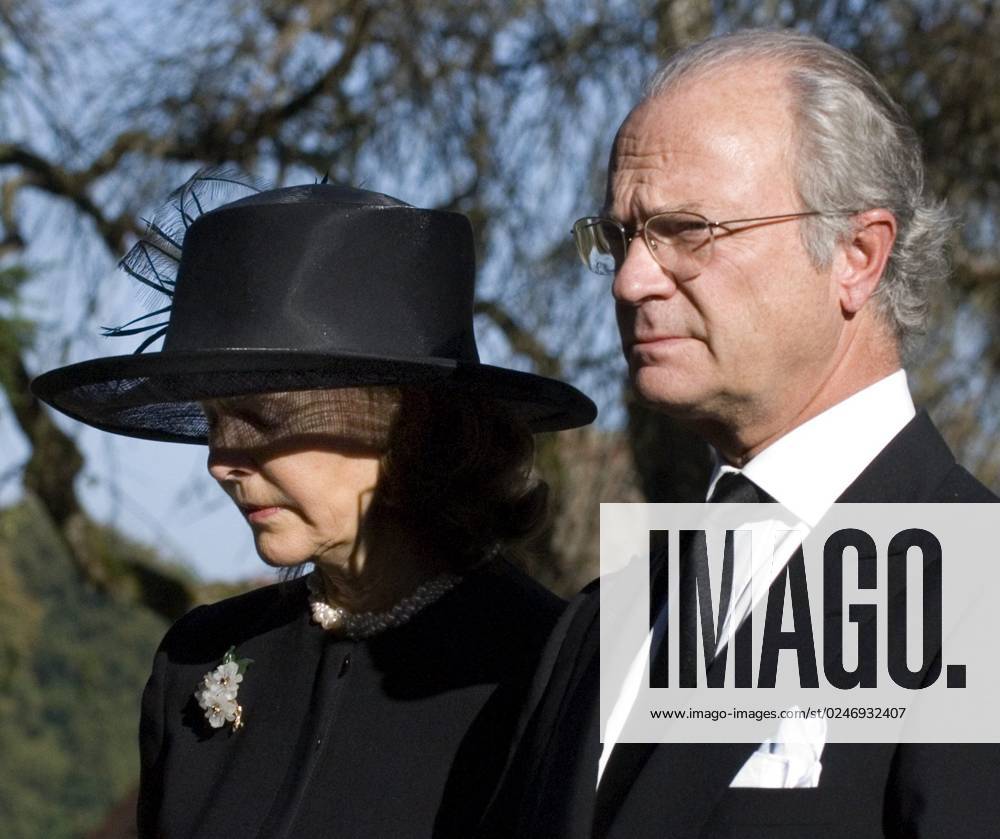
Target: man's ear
x=862 y=257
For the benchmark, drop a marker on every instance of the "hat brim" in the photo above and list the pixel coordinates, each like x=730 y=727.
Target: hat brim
x=155 y=396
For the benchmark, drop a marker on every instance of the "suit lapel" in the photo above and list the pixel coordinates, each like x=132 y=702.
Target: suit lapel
x=665 y=789
x=907 y=470
x=549 y=779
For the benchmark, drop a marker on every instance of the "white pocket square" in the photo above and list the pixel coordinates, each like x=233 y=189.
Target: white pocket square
x=789 y=760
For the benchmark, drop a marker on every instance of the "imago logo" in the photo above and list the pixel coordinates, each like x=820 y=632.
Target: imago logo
x=788 y=603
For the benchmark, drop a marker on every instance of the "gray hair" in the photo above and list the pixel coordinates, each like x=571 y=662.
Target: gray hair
x=855 y=150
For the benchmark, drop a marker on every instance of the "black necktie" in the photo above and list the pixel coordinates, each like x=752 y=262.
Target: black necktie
x=735 y=488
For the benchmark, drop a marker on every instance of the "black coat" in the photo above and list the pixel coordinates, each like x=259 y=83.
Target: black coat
x=681 y=791
x=402 y=735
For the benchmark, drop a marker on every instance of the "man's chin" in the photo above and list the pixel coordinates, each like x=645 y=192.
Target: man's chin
x=669 y=393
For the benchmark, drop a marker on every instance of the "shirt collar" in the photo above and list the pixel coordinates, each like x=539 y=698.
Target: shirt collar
x=809 y=468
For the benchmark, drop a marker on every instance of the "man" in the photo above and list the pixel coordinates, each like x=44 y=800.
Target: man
x=778 y=338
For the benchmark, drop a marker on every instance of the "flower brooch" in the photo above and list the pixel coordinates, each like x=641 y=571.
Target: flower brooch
x=217 y=692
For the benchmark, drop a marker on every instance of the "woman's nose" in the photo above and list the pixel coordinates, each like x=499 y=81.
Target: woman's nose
x=230 y=453
x=229 y=463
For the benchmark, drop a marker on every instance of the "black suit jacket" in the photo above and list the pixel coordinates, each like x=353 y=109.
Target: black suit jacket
x=402 y=735
x=681 y=791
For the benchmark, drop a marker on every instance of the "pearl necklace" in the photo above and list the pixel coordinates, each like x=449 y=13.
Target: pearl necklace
x=366 y=624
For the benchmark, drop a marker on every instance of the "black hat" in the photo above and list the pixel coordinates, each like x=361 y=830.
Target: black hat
x=318 y=286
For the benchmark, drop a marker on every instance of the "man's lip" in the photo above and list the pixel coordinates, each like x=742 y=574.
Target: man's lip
x=657 y=339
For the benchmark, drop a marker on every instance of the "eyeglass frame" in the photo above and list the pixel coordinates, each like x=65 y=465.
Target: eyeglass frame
x=711 y=226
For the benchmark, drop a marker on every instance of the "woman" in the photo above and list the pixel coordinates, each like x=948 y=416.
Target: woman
x=319 y=340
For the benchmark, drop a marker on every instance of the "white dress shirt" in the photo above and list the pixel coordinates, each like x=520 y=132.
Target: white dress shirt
x=806 y=471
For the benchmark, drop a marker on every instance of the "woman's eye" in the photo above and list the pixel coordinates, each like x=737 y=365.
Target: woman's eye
x=259 y=420
x=251 y=416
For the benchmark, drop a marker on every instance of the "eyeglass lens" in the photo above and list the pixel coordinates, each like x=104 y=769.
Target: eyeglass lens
x=680 y=242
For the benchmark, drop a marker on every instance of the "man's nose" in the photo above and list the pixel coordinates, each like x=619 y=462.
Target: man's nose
x=641 y=276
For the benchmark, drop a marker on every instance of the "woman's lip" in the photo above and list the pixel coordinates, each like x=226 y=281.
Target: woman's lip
x=258 y=513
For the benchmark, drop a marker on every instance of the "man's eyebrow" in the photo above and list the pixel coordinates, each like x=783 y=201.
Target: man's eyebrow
x=686 y=207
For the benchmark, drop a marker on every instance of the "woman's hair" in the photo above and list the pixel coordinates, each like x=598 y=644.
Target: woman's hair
x=458 y=471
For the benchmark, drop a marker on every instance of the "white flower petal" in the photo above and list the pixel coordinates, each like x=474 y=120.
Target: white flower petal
x=217 y=693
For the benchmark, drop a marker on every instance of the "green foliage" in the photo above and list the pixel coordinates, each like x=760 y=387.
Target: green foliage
x=131 y=572
x=72 y=666
x=11 y=280
x=16 y=332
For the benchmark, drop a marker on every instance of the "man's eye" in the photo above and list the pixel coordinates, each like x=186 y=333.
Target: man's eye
x=679 y=229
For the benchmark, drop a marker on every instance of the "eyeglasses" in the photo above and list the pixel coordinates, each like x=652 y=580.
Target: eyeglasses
x=679 y=241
